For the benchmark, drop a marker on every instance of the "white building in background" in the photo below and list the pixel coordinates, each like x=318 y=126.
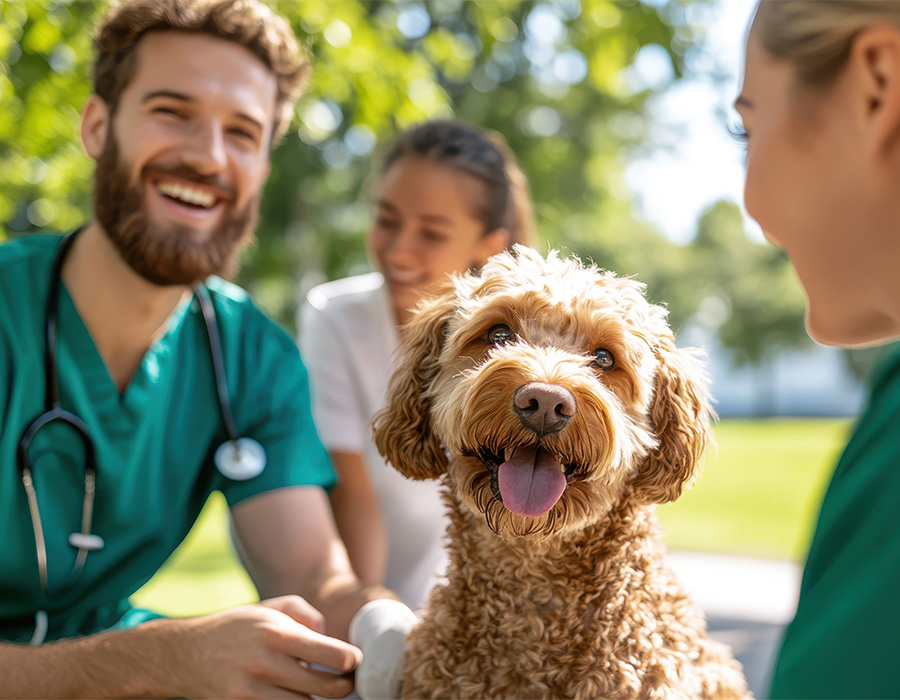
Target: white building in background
x=814 y=381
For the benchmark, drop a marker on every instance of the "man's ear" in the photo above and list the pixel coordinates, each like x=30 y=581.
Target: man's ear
x=95 y=124
x=875 y=65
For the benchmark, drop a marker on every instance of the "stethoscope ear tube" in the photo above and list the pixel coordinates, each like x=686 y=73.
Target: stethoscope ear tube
x=41 y=625
x=84 y=541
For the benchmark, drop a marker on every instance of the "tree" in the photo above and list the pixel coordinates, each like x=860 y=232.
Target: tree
x=761 y=301
x=548 y=76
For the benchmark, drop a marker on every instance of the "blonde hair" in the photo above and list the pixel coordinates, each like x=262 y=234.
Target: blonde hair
x=816 y=35
x=248 y=23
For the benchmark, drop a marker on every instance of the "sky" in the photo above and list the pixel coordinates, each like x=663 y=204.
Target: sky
x=699 y=161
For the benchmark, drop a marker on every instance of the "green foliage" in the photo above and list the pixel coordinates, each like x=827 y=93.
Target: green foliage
x=614 y=241
x=548 y=76
x=746 y=289
x=44 y=68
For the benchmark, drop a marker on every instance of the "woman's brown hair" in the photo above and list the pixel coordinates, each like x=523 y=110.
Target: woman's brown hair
x=484 y=156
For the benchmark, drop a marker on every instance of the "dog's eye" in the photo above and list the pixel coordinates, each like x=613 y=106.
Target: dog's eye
x=499 y=335
x=604 y=359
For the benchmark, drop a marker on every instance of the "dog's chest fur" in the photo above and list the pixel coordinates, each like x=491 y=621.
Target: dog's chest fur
x=595 y=616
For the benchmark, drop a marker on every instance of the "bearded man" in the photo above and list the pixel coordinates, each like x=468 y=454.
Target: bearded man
x=134 y=381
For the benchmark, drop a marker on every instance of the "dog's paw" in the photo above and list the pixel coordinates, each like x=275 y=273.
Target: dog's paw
x=380 y=628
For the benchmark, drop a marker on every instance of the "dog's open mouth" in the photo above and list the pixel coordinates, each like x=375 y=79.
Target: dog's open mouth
x=528 y=479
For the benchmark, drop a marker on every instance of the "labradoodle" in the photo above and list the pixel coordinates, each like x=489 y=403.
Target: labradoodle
x=551 y=401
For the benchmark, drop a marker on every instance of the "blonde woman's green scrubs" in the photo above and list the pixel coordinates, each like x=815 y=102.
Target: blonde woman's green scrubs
x=154 y=442
x=845 y=639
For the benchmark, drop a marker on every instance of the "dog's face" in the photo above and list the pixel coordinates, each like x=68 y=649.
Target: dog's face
x=553 y=387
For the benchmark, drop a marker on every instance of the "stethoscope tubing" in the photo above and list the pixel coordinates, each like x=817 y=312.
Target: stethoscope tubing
x=215 y=347
x=51 y=323
x=57 y=414
x=54 y=413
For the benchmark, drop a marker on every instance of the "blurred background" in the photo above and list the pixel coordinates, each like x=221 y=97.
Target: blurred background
x=619 y=113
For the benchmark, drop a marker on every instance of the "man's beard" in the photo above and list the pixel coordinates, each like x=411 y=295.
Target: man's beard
x=170 y=255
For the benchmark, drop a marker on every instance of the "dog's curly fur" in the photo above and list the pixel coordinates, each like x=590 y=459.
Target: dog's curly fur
x=576 y=602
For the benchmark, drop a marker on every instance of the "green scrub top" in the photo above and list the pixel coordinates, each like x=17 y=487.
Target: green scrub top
x=154 y=443
x=845 y=638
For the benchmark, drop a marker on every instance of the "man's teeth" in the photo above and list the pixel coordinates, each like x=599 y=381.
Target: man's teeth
x=190 y=195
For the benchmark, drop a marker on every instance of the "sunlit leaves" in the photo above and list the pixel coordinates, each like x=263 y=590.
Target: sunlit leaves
x=761 y=300
x=44 y=53
x=549 y=76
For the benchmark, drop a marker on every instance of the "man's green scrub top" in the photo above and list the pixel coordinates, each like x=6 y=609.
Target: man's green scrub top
x=154 y=443
x=845 y=639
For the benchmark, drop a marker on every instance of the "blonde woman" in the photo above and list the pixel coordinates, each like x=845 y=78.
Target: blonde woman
x=821 y=107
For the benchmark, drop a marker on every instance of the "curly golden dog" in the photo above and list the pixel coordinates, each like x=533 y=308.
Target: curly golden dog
x=551 y=401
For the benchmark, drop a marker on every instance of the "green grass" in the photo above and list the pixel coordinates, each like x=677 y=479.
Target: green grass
x=204 y=574
x=758 y=495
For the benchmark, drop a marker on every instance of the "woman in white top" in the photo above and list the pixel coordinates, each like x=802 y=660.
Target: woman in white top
x=450 y=195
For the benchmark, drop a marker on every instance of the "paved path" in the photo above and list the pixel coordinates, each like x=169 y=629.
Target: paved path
x=747 y=604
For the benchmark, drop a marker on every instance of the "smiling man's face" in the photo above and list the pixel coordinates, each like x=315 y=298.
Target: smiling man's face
x=185 y=157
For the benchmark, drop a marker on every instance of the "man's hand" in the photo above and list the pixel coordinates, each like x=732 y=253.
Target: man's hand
x=380 y=629
x=265 y=650
x=274 y=649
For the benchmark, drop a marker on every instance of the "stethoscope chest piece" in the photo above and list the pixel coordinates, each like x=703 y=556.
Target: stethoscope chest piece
x=240 y=459
x=86 y=541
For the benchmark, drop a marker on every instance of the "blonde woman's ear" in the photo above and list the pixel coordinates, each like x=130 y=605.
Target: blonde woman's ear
x=875 y=55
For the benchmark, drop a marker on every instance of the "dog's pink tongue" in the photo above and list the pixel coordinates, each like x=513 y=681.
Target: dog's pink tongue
x=531 y=481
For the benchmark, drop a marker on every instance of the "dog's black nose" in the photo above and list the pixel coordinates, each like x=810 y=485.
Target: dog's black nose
x=545 y=408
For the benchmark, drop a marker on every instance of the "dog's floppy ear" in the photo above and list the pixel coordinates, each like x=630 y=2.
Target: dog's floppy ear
x=402 y=429
x=680 y=413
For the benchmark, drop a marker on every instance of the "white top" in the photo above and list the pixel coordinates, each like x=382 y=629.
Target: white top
x=347 y=338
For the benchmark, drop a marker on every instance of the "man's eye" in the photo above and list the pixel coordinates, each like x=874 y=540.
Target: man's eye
x=604 y=359
x=499 y=335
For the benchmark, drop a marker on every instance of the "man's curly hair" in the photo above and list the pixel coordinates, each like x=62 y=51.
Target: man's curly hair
x=248 y=23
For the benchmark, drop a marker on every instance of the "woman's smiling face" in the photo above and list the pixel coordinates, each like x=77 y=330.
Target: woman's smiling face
x=426 y=227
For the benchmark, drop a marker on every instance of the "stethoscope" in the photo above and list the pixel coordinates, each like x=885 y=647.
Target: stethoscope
x=237 y=458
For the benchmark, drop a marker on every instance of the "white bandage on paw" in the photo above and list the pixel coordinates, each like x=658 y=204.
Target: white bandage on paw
x=379 y=628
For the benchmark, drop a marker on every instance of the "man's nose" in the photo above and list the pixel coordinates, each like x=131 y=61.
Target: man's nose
x=205 y=149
